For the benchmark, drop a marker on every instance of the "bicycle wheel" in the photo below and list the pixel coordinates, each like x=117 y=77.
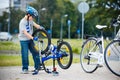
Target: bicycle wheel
x=88 y=62
x=47 y=64
x=44 y=39
x=112 y=57
x=65 y=49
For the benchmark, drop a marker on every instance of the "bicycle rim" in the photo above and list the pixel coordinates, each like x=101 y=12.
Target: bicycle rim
x=112 y=57
x=89 y=63
x=44 y=38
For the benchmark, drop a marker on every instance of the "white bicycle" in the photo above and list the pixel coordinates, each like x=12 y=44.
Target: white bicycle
x=93 y=54
x=112 y=53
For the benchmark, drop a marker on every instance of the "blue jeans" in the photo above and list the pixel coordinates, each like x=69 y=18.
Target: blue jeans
x=25 y=46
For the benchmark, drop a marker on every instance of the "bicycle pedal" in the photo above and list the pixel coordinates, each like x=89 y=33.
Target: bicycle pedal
x=49 y=72
x=41 y=68
x=99 y=65
x=86 y=57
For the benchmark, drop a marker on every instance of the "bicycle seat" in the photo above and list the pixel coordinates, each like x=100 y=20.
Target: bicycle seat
x=101 y=26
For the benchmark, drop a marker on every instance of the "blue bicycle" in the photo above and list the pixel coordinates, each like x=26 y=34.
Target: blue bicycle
x=49 y=53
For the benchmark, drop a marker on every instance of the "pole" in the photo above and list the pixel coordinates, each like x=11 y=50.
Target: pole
x=62 y=25
x=61 y=29
x=9 y=16
x=69 y=24
x=39 y=11
x=82 y=25
x=114 y=31
x=0 y=26
x=51 y=25
x=68 y=31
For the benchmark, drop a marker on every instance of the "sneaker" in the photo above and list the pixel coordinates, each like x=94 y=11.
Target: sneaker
x=40 y=68
x=25 y=71
x=35 y=72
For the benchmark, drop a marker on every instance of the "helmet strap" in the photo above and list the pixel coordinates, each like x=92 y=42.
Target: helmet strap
x=28 y=19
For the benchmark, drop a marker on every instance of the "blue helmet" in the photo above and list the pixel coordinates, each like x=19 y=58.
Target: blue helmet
x=32 y=11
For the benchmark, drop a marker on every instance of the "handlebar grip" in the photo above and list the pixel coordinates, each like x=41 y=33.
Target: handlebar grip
x=118 y=19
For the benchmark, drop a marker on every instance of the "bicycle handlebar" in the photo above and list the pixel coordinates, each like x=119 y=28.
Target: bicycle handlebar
x=116 y=22
x=118 y=19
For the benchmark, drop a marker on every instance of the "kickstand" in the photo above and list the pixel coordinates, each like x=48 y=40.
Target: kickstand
x=55 y=73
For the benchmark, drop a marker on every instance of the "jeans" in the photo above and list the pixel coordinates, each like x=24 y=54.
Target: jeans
x=25 y=46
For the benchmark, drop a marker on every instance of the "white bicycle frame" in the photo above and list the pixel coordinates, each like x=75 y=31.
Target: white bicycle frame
x=100 y=54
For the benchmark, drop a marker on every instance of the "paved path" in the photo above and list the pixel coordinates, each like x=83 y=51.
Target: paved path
x=73 y=73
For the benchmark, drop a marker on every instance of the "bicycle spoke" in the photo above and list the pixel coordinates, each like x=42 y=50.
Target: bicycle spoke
x=112 y=57
x=88 y=61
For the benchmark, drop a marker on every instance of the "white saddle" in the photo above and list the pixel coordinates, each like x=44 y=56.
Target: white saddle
x=101 y=26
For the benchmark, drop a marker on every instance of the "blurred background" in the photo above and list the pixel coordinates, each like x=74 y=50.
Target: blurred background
x=57 y=14
x=61 y=19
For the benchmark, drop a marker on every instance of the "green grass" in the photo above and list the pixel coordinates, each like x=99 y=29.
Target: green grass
x=15 y=60
x=75 y=44
x=12 y=60
x=9 y=45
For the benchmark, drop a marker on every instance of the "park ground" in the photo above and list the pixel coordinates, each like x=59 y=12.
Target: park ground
x=75 y=72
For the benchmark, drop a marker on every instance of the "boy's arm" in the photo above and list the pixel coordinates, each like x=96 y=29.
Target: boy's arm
x=37 y=26
x=27 y=34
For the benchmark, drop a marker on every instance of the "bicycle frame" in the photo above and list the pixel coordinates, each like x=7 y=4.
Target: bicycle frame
x=54 y=55
x=100 y=54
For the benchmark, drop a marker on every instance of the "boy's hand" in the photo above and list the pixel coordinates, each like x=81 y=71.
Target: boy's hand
x=41 y=27
x=35 y=38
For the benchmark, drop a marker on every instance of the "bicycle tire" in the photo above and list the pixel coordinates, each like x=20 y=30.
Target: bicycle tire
x=65 y=61
x=44 y=37
x=112 y=57
x=47 y=65
x=89 y=64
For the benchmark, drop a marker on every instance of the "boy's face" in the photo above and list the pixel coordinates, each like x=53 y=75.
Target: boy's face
x=30 y=18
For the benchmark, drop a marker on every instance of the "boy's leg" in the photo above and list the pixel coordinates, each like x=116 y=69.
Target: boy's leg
x=35 y=56
x=24 y=53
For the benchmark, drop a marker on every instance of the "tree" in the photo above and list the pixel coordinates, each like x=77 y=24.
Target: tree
x=3 y=21
x=16 y=16
x=55 y=9
x=102 y=13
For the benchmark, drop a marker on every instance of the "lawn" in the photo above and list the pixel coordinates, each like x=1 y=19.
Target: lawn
x=12 y=60
x=8 y=45
x=75 y=44
x=15 y=60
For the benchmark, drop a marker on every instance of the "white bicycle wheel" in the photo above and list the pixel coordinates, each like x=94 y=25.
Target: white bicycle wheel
x=89 y=63
x=112 y=57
